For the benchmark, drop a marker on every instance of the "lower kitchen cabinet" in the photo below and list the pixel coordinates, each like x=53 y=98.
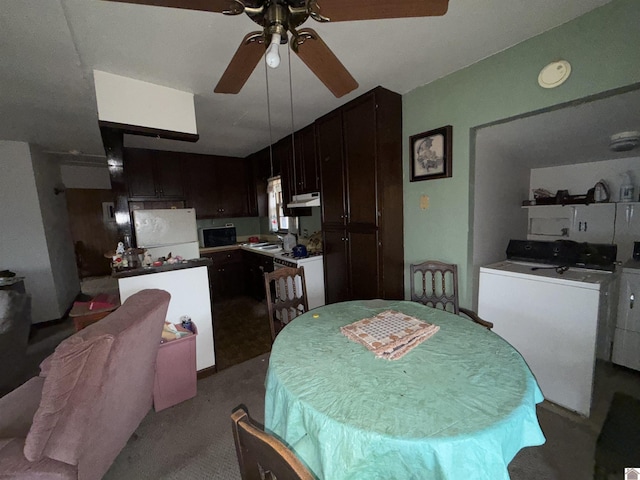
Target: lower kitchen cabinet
x=255 y=267
x=626 y=342
x=226 y=275
x=336 y=283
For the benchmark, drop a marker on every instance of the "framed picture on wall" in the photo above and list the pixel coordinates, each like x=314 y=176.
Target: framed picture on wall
x=431 y=154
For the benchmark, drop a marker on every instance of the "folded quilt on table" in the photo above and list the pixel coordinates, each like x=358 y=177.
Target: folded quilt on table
x=390 y=334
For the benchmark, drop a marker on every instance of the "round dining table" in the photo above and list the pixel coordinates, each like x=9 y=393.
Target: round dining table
x=460 y=404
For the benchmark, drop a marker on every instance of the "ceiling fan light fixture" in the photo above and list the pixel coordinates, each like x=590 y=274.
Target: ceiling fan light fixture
x=272 y=55
x=624 y=141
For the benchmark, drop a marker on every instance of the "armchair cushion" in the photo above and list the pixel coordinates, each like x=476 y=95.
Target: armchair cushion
x=73 y=362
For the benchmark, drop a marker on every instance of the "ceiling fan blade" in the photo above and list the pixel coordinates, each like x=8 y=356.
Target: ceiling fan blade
x=230 y=7
x=320 y=59
x=242 y=64
x=348 y=10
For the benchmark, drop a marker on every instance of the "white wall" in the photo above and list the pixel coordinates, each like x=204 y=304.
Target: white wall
x=499 y=185
x=579 y=178
x=134 y=102
x=55 y=218
x=23 y=231
x=82 y=176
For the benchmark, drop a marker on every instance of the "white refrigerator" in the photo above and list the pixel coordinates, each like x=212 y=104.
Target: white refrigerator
x=167 y=231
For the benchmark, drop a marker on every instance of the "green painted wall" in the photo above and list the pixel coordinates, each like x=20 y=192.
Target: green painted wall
x=603 y=48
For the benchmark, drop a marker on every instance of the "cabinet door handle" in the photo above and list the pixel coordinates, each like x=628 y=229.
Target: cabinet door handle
x=632 y=299
x=579 y=226
x=585 y=226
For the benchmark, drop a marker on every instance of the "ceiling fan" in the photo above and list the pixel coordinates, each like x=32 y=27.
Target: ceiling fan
x=279 y=18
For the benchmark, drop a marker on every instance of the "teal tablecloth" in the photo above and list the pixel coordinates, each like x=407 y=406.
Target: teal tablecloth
x=458 y=406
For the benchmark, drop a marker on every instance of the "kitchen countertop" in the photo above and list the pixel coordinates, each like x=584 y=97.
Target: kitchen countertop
x=241 y=246
x=167 y=267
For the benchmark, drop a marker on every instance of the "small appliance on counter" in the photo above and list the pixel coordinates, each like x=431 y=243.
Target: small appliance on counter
x=217 y=236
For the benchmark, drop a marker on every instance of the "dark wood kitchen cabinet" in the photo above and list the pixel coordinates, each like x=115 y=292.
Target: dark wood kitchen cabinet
x=217 y=187
x=153 y=174
x=256 y=265
x=283 y=150
x=360 y=156
x=226 y=275
x=298 y=170
x=305 y=175
x=263 y=167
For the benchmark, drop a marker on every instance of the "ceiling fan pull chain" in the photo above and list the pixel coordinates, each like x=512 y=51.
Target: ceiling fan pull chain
x=266 y=76
x=293 y=142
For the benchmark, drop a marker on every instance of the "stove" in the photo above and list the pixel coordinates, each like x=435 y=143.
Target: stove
x=313 y=274
x=288 y=260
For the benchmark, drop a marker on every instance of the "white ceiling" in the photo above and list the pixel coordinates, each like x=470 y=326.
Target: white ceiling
x=49 y=49
x=575 y=134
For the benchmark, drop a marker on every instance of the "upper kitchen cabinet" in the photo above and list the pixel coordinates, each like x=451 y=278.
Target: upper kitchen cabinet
x=359 y=150
x=581 y=222
x=153 y=174
x=306 y=178
x=283 y=150
x=260 y=166
x=330 y=154
x=217 y=187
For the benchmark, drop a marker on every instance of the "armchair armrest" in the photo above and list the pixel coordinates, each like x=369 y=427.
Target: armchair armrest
x=18 y=407
x=474 y=316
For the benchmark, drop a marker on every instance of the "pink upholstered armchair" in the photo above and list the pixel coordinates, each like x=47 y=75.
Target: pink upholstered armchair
x=92 y=393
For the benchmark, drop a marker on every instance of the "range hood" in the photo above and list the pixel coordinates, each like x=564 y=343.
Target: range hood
x=305 y=200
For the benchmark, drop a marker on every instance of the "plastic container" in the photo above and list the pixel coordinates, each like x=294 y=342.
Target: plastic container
x=288 y=242
x=176 y=375
x=626 y=189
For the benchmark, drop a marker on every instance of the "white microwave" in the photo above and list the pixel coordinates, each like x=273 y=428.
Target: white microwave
x=217 y=236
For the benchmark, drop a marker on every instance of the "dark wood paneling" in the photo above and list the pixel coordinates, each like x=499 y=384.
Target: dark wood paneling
x=92 y=235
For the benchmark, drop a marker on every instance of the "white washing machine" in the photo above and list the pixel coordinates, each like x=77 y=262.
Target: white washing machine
x=626 y=340
x=558 y=319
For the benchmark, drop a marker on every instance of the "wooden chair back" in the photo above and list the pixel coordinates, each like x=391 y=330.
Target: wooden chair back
x=286 y=292
x=262 y=456
x=439 y=288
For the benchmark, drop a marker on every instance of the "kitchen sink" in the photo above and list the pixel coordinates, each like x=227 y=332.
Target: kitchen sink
x=266 y=246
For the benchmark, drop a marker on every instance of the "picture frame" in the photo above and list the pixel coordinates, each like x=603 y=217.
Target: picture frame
x=431 y=154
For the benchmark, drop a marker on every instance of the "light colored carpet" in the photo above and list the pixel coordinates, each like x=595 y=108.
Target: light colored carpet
x=193 y=440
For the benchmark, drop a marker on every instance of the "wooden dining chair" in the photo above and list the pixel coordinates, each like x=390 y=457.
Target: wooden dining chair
x=439 y=288
x=262 y=456
x=286 y=292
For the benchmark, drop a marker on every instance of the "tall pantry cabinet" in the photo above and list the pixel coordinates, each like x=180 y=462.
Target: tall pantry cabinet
x=360 y=156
